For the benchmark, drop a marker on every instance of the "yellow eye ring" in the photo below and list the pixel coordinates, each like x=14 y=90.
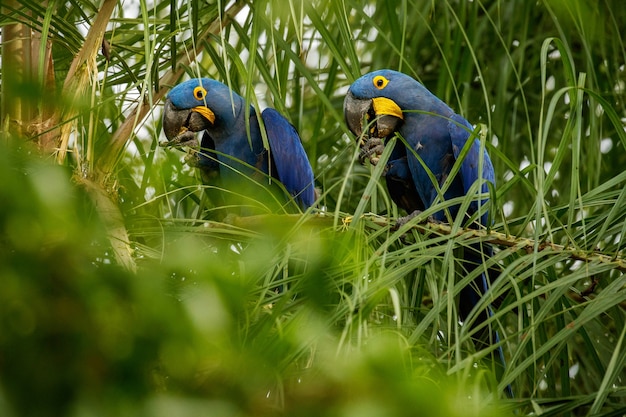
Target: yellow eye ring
x=199 y=93
x=380 y=82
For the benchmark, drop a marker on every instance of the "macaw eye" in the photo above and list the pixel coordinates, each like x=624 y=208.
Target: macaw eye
x=199 y=93
x=380 y=82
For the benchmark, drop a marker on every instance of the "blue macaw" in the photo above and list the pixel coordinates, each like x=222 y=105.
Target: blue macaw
x=231 y=148
x=387 y=102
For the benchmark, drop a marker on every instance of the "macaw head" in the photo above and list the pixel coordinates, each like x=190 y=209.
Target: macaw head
x=196 y=105
x=371 y=103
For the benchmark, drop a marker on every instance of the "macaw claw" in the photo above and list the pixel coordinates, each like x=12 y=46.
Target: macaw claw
x=372 y=149
x=185 y=138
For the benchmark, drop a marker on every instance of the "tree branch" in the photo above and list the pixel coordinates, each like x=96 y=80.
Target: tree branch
x=490 y=236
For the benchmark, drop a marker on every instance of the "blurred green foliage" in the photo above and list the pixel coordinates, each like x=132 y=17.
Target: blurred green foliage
x=338 y=315
x=196 y=333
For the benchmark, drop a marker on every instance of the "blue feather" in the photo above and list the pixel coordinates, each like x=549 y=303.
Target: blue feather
x=236 y=142
x=288 y=155
x=435 y=136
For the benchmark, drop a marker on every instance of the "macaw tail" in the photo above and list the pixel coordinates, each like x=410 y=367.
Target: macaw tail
x=470 y=296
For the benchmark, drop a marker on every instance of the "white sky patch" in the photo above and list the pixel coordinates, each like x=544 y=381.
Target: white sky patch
x=150 y=192
x=260 y=91
x=242 y=16
x=507 y=208
x=131 y=148
x=343 y=90
x=235 y=249
x=556 y=54
x=533 y=224
x=372 y=34
x=547 y=166
x=369 y=10
x=581 y=214
x=576 y=265
x=525 y=163
x=599 y=110
x=606 y=145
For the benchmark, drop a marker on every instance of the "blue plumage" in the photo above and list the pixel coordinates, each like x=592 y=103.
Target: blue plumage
x=391 y=102
x=232 y=146
x=433 y=131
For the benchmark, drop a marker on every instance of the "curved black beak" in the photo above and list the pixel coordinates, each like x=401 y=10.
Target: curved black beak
x=180 y=125
x=382 y=116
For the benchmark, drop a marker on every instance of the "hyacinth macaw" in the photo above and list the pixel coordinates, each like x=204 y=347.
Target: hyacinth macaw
x=231 y=148
x=382 y=103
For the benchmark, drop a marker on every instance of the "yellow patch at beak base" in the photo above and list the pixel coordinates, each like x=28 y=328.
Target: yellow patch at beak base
x=387 y=107
x=205 y=112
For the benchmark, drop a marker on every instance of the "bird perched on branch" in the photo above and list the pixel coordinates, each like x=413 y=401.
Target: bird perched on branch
x=232 y=151
x=436 y=158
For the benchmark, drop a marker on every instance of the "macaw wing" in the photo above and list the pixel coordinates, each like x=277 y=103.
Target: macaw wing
x=460 y=132
x=400 y=185
x=207 y=159
x=291 y=162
